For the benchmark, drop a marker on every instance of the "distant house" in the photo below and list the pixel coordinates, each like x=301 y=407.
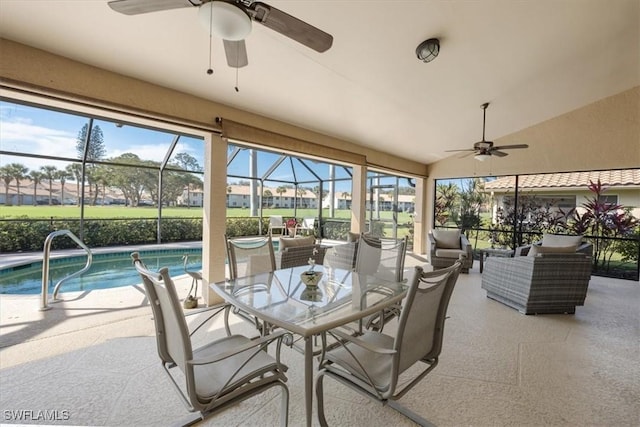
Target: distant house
x=569 y=190
x=239 y=196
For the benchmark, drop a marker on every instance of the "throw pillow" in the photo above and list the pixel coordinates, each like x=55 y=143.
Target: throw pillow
x=538 y=250
x=560 y=240
x=447 y=239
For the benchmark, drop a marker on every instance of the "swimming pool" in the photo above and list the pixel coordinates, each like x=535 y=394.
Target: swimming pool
x=110 y=270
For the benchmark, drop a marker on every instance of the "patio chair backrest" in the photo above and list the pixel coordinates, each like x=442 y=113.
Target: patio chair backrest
x=249 y=256
x=421 y=323
x=172 y=333
x=275 y=221
x=383 y=258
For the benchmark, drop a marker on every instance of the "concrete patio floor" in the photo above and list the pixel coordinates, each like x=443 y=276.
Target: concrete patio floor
x=93 y=359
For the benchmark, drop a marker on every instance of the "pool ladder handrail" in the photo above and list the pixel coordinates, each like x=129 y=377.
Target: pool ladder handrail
x=44 y=297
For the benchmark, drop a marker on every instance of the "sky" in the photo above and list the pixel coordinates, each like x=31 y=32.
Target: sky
x=37 y=131
x=32 y=130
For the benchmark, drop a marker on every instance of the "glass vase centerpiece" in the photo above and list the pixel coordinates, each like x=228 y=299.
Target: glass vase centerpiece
x=311 y=277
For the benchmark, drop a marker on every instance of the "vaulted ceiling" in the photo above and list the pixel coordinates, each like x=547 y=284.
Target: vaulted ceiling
x=531 y=59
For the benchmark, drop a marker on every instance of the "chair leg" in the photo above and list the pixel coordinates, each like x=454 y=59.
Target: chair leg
x=284 y=406
x=320 y=397
x=394 y=404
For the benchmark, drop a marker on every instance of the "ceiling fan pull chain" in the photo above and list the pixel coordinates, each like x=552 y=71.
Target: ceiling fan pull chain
x=237 y=68
x=210 y=70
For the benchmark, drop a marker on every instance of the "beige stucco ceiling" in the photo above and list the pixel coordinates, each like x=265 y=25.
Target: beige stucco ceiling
x=532 y=59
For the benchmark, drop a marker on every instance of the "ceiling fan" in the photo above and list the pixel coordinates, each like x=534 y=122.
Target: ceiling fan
x=485 y=149
x=231 y=21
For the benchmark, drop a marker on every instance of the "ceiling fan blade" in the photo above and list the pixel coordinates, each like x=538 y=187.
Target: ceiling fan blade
x=453 y=151
x=497 y=153
x=236 y=52
x=290 y=26
x=136 y=7
x=511 y=147
x=462 y=156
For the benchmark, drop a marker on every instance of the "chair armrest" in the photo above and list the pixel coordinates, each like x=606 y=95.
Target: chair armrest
x=586 y=248
x=465 y=244
x=432 y=244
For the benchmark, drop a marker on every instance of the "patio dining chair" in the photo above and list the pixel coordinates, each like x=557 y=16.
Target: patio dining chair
x=382 y=258
x=307 y=226
x=275 y=223
x=247 y=257
x=218 y=374
x=372 y=363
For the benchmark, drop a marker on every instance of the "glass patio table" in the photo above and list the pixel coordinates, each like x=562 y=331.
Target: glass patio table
x=281 y=299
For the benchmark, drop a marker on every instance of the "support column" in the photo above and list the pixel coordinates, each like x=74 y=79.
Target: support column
x=358 y=199
x=420 y=217
x=214 y=222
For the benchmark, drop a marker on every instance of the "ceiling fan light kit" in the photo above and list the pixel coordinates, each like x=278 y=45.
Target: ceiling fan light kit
x=231 y=20
x=482 y=157
x=225 y=20
x=428 y=50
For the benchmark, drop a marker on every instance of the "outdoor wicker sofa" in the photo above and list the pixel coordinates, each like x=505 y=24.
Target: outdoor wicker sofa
x=542 y=284
x=293 y=252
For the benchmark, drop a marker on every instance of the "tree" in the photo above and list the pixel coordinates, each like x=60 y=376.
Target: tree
x=101 y=177
x=132 y=180
x=446 y=200
x=19 y=173
x=7 y=176
x=188 y=163
x=301 y=191
x=49 y=173
x=319 y=195
x=36 y=178
x=472 y=197
x=96 y=149
x=281 y=190
x=62 y=175
x=267 y=197
x=75 y=170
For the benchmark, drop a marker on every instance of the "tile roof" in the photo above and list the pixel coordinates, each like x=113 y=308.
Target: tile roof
x=625 y=177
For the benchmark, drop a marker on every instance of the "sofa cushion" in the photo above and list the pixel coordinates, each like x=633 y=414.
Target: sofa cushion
x=562 y=241
x=450 y=253
x=447 y=239
x=539 y=250
x=288 y=242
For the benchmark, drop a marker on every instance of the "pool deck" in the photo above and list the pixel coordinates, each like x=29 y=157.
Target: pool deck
x=93 y=354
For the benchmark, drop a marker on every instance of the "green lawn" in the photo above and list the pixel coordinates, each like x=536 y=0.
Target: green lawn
x=47 y=212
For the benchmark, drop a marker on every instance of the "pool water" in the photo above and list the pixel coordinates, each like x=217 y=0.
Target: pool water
x=107 y=271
